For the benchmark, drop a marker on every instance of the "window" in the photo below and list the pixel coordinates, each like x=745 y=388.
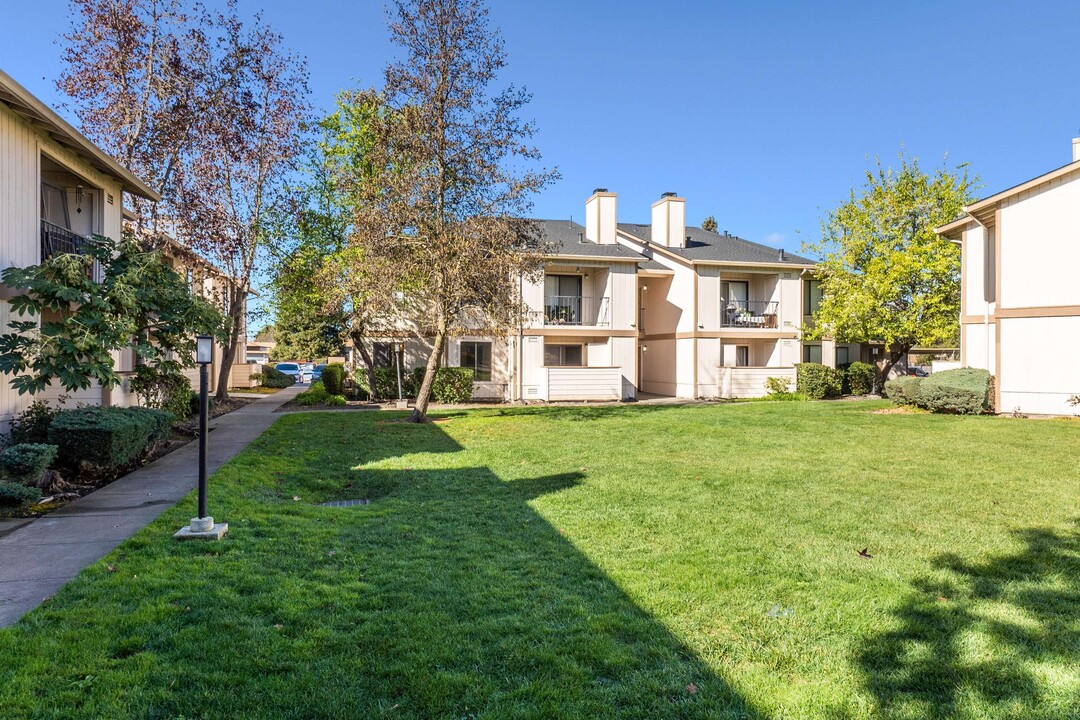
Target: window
x=811 y=354
x=477 y=356
x=841 y=356
x=734 y=293
x=562 y=286
x=562 y=355
x=383 y=355
x=811 y=297
x=742 y=356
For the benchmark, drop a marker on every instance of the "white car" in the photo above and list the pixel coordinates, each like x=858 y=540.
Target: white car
x=290 y=369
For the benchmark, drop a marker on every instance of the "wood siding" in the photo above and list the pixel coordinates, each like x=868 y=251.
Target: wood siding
x=584 y=383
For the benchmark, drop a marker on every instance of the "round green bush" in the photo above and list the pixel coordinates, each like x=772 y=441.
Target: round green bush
x=818 y=381
x=860 y=377
x=333 y=378
x=17 y=494
x=964 y=391
x=25 y=462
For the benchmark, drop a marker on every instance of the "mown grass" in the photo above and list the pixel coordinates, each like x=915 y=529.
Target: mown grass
x=660 y=562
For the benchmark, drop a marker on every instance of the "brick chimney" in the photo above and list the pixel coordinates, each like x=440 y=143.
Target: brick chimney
x=601 y=217
x=669 y=221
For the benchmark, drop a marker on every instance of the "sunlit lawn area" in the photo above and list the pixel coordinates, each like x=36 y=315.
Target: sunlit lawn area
x=632 y=561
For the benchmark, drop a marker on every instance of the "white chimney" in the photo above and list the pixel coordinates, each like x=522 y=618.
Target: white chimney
x=669 y=221
x=1076 y=149
x=600 y=217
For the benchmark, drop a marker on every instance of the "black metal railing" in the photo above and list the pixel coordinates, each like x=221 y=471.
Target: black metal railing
x=575 y=310
x=56 y=240
x=750 y=314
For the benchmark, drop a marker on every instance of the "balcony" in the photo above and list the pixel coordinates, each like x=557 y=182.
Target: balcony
x=56 y=240
x=750 y=314
x=574 y=310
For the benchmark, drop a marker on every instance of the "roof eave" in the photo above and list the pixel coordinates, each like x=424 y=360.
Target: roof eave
x=24 y=103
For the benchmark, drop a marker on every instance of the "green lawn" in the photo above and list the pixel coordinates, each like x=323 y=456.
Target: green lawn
x=631 y=561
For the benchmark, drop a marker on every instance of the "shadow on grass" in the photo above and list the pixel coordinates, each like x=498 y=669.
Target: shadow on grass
x=451 y=597
x=981 y=635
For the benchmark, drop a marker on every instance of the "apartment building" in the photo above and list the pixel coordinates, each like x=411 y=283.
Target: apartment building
x=1020 y=303
x=625 y=310
x=56 y=188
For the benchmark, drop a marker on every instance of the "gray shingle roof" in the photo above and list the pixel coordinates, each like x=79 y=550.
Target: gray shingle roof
x=705 y=245
x=564 y=237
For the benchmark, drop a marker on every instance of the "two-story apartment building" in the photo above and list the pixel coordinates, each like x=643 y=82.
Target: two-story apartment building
x=626 y=309
x=56 y=188
x=1020 y=302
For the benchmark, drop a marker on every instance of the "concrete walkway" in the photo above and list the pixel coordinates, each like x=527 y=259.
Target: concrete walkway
x=38 y=557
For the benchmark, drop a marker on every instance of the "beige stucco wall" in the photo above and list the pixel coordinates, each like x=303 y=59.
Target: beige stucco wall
x=1039 y=364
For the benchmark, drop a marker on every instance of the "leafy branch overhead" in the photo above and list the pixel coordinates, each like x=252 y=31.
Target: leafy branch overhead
x=885 y=274
x=139 y=303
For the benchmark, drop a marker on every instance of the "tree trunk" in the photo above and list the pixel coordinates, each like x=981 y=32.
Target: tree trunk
x=895 y=354
x=369 y=363
x=423 y=395
x=228 y=350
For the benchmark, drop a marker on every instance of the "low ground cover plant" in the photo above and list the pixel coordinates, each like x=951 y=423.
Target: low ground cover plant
x=25 y=462
x=13 y=494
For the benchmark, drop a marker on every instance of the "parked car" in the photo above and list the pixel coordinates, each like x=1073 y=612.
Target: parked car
x=316 y=374
x=289 y=368
x=306 y=372
x=917 y=372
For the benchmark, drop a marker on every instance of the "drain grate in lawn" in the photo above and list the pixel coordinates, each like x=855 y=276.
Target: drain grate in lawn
x=344 y=503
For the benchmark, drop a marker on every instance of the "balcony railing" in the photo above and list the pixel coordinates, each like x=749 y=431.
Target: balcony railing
x=750 y=314
x=576 y=310
x=56 y=240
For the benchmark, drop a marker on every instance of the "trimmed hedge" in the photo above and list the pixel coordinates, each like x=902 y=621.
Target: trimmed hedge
x=273 y=378
x=386 y=383
x=333 y=378
x=860 y=377
x=108 y=437
x=964 y=391
x=318 y=395
x=451 y=385
x=903 y=390
x=25 y=462
x=818 y=381
x=17 y=494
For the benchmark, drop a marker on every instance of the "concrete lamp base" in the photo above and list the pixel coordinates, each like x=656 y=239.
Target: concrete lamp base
x=202 y=529
x=402 y=404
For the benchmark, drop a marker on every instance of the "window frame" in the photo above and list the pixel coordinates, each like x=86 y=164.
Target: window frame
x=562 y=355
x=475 y=367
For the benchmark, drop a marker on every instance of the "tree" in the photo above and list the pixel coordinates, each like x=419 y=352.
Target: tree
x=885 y=275
x=709 y=224
x=449 y=179
x=208 y=108
x=139 y=302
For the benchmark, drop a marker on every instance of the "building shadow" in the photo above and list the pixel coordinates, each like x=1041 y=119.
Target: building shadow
x=982 y=635
x=448 y=596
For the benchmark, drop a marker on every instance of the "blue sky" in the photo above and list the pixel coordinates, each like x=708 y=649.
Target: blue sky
x=763 y=114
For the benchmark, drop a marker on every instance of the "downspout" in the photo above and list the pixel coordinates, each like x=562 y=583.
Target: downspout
x=519 y=356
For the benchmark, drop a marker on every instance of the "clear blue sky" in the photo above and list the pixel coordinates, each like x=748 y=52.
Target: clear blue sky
x=763 y=114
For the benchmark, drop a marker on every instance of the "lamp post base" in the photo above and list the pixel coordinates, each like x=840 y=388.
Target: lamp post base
x=202 y=529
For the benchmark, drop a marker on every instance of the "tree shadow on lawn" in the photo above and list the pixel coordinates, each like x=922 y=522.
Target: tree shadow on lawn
x=450 y=597
x=986 y=635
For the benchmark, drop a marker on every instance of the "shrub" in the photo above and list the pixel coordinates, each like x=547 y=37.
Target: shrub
x=161 y=389
x=318 y=395
x=273 y=378
x=32 y=424
x=964 y=391
x=902 y=390
x=193 y=404
x=777 y=385
x=108 y=437
x=860 y=377
x=25 y=462
x=386 y=383
x=818 y=381
x=333 y=378
x=17 y=494
x=451 y=384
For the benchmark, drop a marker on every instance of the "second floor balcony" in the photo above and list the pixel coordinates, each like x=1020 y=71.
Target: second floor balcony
x=56 y=240
x=750 y=314
x=575 y=310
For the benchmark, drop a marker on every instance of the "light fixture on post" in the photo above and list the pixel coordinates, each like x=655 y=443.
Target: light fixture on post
x=203 y=527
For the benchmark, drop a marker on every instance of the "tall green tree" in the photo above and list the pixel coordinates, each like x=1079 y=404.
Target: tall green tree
x=709 y=224
x=885 y=275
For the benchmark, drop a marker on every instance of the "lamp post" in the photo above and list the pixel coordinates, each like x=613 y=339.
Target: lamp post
x=203 y=526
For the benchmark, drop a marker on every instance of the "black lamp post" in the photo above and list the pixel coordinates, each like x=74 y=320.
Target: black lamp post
x=203 y=526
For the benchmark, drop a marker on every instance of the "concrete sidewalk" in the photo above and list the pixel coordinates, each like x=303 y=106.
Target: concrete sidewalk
x=38 y=557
